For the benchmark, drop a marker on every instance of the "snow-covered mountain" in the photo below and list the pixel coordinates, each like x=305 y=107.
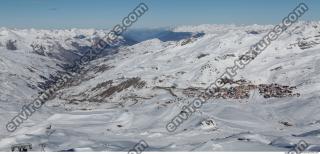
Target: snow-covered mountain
x=131 y=94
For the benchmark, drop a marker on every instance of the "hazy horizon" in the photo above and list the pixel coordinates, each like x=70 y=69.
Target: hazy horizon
x=99 y=14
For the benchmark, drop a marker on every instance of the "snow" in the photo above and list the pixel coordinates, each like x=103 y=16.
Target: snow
x=118 y=122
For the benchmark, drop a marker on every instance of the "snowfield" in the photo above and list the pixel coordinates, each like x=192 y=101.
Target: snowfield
x=131 y=92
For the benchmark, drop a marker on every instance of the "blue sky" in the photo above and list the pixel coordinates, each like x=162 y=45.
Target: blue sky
x=101 y=14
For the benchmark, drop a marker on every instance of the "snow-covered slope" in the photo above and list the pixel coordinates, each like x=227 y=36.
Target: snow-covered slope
x=120 y=99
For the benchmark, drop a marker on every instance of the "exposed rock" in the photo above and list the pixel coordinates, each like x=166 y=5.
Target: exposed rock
x=186 y=42
x=277 y=68
x=11 y=45
x=208 y=124
x=202 y=55
x=134 y=82
x=252 y=32
x=285 y=123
